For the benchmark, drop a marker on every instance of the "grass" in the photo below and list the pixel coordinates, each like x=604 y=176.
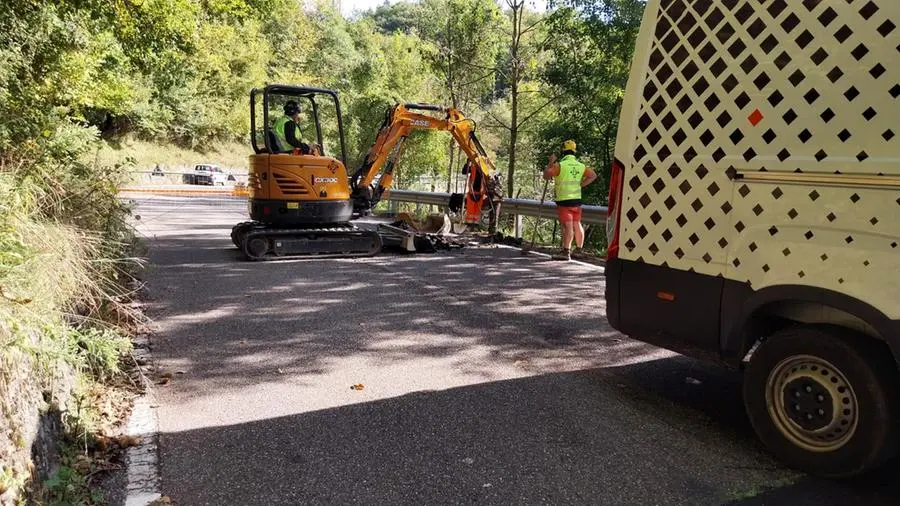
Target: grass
x=65 y=286
x=737 y=495
x=144 y=155
x=70 y=485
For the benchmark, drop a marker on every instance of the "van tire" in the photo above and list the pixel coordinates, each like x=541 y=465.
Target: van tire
x=857 y=377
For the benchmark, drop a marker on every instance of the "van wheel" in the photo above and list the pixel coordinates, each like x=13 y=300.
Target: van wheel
x=824 y=400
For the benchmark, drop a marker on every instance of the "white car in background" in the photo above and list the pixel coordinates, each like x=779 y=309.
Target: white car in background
x=206 y=174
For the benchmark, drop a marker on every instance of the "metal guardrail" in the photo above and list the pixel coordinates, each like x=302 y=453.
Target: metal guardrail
x=521 y=207
x=590 y=215
x=188 y=191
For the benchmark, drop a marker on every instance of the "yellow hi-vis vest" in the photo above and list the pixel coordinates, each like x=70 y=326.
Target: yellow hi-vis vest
x=280 y=137
x=567 y=185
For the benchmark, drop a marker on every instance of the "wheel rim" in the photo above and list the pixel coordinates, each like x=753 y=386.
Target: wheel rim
x=812 y=403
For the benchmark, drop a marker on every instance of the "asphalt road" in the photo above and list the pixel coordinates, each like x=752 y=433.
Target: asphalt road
x=488 y=377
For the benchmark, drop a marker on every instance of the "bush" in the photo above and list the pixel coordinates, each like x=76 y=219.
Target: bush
x=64 y=264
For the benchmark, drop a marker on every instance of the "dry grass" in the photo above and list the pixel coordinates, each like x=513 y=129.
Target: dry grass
x=142 y=155
x=66 y=286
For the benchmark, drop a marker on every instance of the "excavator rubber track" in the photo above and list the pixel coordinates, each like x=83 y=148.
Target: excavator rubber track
x=261 y=242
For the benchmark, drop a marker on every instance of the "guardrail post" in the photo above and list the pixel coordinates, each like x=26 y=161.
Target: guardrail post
x=518 y=226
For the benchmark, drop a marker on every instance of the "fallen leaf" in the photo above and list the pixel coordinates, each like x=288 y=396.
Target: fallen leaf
x=164 y=381
x=280 y=371
x=167 y=374
x=12 y=298
x=102 y=442
x=692 y=381
x=128 y=441
x=358 y=386
x=179 y=372
x=82 y=464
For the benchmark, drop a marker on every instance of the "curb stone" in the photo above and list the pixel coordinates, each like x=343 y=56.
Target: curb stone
x=143 y=459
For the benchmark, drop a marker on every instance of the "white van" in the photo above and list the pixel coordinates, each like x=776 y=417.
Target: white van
x=206 y=174
x=755 y=213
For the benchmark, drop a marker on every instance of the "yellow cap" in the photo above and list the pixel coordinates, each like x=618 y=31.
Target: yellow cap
x=569 y=145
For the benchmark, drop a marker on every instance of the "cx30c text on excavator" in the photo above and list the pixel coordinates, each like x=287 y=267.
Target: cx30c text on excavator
x=302 y=200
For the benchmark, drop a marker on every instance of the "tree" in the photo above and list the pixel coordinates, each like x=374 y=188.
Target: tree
x=590 y=67
x=405 y=17
x=465 y=47
x=517 y=75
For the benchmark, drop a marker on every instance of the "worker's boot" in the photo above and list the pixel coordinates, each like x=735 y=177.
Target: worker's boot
x=563 y=254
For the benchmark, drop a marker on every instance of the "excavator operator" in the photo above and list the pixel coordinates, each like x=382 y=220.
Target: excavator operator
x=286 y=131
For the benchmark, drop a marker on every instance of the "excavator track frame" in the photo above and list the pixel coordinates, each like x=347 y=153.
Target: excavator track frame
x=258 y=241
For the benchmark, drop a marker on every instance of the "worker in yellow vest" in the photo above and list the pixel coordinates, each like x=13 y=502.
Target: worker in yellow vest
x=287 y=131
x=570 y=176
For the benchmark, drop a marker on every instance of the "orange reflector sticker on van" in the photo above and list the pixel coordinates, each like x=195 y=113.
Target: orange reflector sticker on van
x=665 y=296
x=755 y=117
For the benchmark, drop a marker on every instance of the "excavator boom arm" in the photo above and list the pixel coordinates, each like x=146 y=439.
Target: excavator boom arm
x=385 y=153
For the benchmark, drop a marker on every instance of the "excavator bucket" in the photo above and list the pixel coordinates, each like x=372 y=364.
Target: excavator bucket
x=420 y=236
x=432 y=224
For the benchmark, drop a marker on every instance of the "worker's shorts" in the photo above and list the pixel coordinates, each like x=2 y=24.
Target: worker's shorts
x=568 y=214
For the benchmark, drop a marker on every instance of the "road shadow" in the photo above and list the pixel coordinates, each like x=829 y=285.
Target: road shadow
x=561 y=438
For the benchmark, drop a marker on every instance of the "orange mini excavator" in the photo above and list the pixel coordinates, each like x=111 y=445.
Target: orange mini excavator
x=302 y=199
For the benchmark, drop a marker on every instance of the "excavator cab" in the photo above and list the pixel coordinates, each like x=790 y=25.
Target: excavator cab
x=290 y=185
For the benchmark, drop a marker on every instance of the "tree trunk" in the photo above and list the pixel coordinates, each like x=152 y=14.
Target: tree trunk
x=514 y=93
x=450 y=167
x=452 y=94
x=513 y=138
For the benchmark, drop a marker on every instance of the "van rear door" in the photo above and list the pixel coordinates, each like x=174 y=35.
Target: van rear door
x=664 y=286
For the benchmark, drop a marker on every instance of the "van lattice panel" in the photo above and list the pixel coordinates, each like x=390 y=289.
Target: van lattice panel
x=780 y=86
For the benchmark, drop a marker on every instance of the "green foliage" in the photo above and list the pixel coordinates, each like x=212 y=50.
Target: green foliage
x=179 y=71
x=466 y=39
x=590 y=67
x=70 y=486
x=98 y=352
x=399 y=16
